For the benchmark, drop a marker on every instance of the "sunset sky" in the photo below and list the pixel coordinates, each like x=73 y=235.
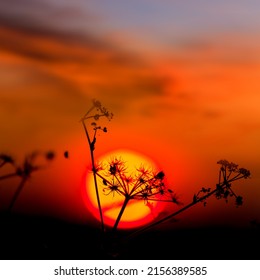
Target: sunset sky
x=181 y=77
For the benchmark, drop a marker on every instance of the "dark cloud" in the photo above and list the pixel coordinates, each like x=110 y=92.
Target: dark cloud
x=20 y=36
x=24 y=29
x=39 y=19
x=34 y=30
x=41 y=11
x=39 y=90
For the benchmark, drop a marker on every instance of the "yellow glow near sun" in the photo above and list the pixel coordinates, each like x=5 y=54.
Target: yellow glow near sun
x=136 y=213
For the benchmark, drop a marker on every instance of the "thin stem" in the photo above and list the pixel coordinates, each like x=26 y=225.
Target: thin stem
x=8 y=176
x=93 y=116
x=155 y=199
x=235 y=178
x=87 y=113
x=86 y=131
x=138 y=184
x=232 y=192
x=121 y=183
x=97 y=192
x=94 y=175
x=127 y=198
x=171 y=215
x=2 y=164
x=17 y=193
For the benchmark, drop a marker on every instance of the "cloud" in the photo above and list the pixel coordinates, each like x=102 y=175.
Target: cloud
x=76 y=65
x=49 y=75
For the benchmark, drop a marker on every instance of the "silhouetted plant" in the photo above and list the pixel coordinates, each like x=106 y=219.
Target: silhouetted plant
x=5 y=159
x=96 y=112
x=228 y=173
x=145 y=184
x=23 y=171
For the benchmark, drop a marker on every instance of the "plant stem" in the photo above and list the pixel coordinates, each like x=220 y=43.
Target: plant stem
x=127 y=198
x=8 y=176
x=17 y=192
x=97 y=192
x=170 y=216
x=94 y=175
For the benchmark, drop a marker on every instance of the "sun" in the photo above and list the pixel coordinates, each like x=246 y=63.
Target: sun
x=137 y=212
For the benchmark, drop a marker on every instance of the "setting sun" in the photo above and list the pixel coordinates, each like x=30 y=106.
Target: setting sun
x=138 y=211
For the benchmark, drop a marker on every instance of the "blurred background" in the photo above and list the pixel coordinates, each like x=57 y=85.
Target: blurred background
x=181 y=77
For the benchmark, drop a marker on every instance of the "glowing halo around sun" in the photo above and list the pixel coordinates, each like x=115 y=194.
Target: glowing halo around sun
x=137 y=212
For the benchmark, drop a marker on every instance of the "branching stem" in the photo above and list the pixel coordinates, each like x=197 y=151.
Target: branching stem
x=171 y=215
x=91 y=146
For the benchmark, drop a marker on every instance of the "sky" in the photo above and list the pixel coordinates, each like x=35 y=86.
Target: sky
x=181 y=78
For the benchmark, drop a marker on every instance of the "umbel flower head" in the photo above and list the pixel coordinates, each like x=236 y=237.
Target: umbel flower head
x=141 y=184
x=4 y=158
x=97 y=111
x=29 y=164
x=228 y=173
x=229 y=168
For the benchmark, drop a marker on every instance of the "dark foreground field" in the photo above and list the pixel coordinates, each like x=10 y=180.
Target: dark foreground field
x=23 y=237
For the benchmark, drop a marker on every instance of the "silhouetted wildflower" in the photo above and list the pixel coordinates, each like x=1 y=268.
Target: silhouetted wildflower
x=100 y=112
x=96 y=103
x=4 y=158
x=93 y=118
x=104 y=112
x=199 y=196
x=246 y=173
x=112 y=189
x=24 y=170
x=146 y=184
x=96 y=117
x=27 y=167
x=141 y=185
x=160 y=175
x=229 y=172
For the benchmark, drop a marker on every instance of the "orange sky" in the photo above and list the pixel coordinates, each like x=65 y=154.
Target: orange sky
x=185 y=105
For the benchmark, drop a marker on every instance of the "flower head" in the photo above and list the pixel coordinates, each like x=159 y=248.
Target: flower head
x=230 y=172
x=244 y=172
x=6 y=159
x=141 y=184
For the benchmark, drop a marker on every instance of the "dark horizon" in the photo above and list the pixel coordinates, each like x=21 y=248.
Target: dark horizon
x=44 y=238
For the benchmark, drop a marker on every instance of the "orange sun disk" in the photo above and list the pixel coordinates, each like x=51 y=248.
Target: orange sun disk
x=137 y=212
